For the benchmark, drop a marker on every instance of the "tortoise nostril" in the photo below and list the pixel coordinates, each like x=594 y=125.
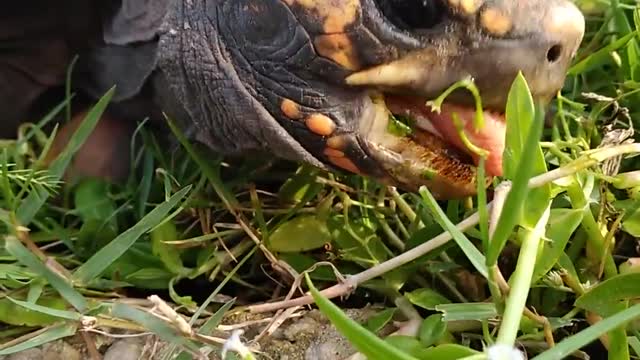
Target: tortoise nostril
x=554 y=53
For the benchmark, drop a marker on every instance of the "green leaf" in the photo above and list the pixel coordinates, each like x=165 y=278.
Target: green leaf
x=26 y=257
x=631 y=223
x=148 y=278
x=302 y=233
x=447 y=352
x=523 y=117
x=91 y=198
x=168 y=254
x=186 y=356
x=97 y=211
x=432 y=329
x=586 y=336
x=473 y=254
x=301 y=185
x=138 y=267
x=521 y=163
x=379 y=320
x=520 y=114
x=14 y=314
x=362 y=339
x=604 y=297
x=49 y=335
x=523 y=122
x=562 y=224
x=93 y=267
x=468 y=311
x=427 y=298
x=357 y=241
x=34 y=201
x=407 y=344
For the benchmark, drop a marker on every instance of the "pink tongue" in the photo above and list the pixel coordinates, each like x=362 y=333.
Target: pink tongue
x=491 y=137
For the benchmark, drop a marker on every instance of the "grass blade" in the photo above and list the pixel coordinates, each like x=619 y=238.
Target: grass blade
x=634 y=343
x=69 y=315
x=212 y=173
x=44 y=121
x=474 y=255
x=36 y=199
x=584 y=337
x=215 y=320
x=361 y=338
x=600 y=56
x=602 y=298
x=49 y=335
x=93 y=267
x=26 y=257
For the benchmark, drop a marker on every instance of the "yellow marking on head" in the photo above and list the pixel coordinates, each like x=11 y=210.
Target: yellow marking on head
x=339 y=48
x=338 y=142
x=496 y=22
x=333 y=153
x=335 y=15
x=470 y=6
x=345 y=163
x=290 y=109
x=320 y=124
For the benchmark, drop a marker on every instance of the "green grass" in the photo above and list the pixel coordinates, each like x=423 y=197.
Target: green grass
x=554 y=272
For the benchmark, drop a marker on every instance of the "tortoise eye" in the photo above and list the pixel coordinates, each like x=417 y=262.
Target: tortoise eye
x=413 y=14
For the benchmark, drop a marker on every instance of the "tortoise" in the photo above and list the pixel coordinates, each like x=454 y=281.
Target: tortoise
x=314 y=81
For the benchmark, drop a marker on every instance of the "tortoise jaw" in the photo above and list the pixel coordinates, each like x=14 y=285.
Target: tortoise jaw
x=428 y=155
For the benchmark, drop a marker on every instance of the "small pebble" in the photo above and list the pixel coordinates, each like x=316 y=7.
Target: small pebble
x=31 y=354
x=58 y=350
x=126 y=349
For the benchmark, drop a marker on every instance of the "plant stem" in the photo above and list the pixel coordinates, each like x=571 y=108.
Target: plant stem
x=495 y=277
x=522 y=280
x=595 y=238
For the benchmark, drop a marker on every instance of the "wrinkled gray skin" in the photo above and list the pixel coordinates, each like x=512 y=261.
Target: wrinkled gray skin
x=193 y=79
x=223 y=67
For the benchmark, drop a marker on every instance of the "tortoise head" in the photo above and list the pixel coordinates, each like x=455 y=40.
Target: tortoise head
x=317 y=80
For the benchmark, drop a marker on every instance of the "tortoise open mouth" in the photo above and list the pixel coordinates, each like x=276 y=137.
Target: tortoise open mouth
x=443 y=43
x=417 y=145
